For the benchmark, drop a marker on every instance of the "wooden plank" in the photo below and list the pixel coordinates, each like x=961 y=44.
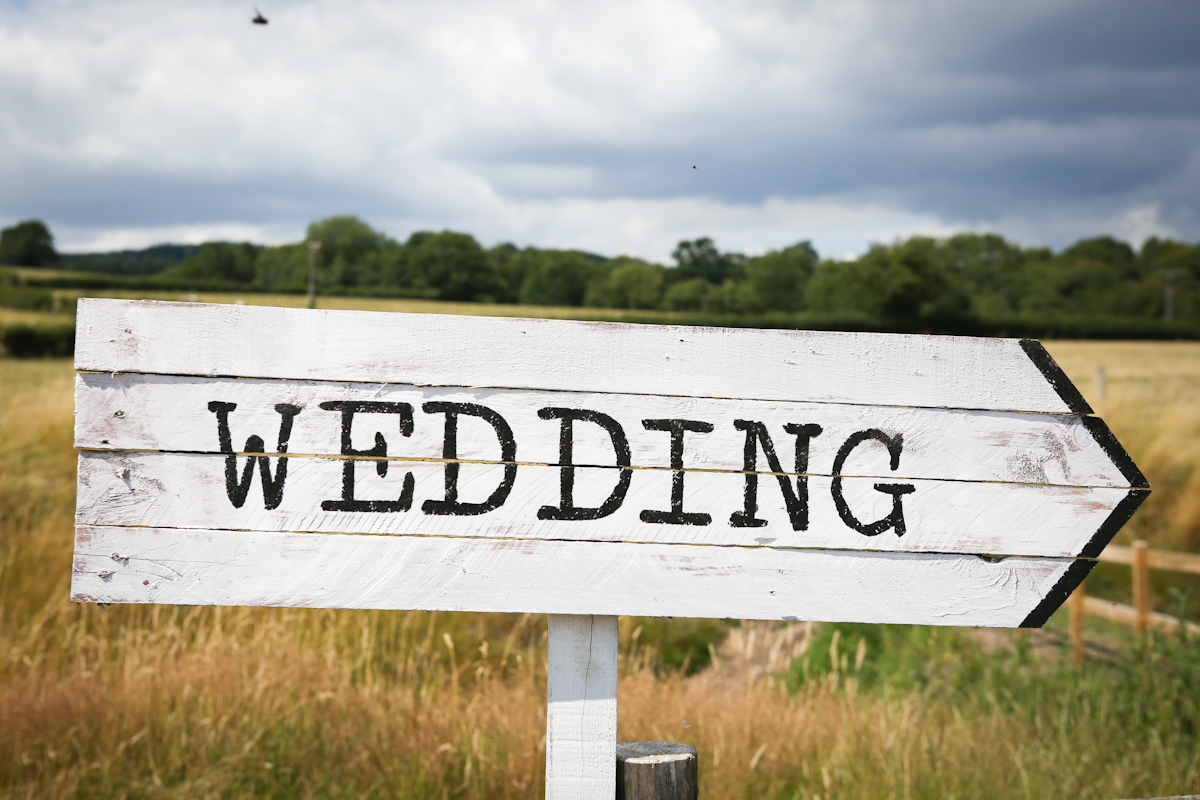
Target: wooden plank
x=171 y=413
x=1128 y=615
x=212 y=567
x=181 y=490
x=1171 y=560
x=581 y=709
x=435 y=350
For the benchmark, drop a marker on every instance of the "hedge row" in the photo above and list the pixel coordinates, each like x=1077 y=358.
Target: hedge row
x=38 y=341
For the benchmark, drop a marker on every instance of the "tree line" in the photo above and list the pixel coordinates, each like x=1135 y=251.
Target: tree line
x=908 y=284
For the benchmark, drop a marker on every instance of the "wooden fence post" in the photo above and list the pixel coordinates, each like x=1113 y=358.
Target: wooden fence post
x=1075 y=606
x=657 y=771
x=1141 y=586
x=581 y=713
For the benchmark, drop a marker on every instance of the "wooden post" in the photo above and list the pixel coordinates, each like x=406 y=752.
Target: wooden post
x=581 y=716
x=1075 y=606
x=657 y=771
x=1141 y=586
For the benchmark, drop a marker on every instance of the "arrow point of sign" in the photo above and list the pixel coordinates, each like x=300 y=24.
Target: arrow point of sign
x=1113 y=449
x=1054 y=375
x=1066 y=584
x=1116 y=520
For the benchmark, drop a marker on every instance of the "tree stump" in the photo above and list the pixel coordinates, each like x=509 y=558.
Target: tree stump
x=657 y=771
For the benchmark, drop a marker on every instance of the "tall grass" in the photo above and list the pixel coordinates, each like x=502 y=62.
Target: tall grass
x=165 y=702
x=1152 y=403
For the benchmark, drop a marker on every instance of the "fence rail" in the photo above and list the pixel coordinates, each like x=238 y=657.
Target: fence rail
x=1141 y=559
x=1155 y=559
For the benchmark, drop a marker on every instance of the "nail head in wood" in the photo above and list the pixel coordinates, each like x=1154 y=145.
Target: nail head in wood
x=657 y=771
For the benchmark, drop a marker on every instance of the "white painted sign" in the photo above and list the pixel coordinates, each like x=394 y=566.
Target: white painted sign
x=261 y=456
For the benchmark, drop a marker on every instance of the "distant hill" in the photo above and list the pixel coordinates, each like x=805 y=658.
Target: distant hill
x=149 y=261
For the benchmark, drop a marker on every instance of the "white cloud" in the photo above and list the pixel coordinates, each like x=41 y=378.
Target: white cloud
x=578 y=124
x=651 y=228
x=98 y=240
x=646 y=228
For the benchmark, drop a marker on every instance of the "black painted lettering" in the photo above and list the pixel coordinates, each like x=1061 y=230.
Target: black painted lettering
x=238 y=490
x=676 y=516
x=797 y=501
x=348 y=502
x=894 y=520
x=450 y=504
x=566 y=509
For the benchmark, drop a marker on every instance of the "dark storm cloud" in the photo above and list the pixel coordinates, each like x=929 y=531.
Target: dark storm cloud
x=968 y=112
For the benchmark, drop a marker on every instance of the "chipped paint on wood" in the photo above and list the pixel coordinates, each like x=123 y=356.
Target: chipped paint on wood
x=189 y=491
x=213 y=567
x=439 y=350
x=167 y=412
x=638 y=469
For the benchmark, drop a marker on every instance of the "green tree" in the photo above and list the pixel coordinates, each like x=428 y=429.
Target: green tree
x=386 y=268
x=346 y=243
x=777 y=280
x=221 y=263
x=556 y=277
x=452 y=266
x=1102 y=250
x=27 y=244
x=1173 y=267
x=989 y=269
x=283 y=268
x=700 y=258
x=630 y=283
x=690 y=295
x=509 y=271
x=899 y=284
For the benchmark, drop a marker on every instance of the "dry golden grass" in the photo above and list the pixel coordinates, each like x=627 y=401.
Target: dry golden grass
x=166 y=702
x=1152 y=403
x=16 y=316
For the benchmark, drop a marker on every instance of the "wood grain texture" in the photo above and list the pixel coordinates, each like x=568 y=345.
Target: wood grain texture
x=211 y=567
x=435 y=350
x=164 y=412
x=581 y=711
x=180 y=490
x=657 y=771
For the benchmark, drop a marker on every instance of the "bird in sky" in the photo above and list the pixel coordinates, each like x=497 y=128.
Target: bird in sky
x=259 y=19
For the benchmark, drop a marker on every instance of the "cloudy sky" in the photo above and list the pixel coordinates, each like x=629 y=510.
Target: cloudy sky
x=618 y=127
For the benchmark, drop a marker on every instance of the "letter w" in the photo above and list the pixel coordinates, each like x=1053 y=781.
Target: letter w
x=272 y=486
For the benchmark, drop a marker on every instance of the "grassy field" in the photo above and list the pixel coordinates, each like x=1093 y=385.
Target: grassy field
x=378 y=304
x=173 y=702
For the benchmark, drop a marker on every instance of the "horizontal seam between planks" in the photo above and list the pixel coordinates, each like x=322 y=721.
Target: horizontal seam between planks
x=485 y=462
x=424 y=537
x=1044 y=413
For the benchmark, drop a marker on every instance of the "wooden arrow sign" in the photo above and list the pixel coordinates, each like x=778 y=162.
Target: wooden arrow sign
x=241 y=455
x=261 y=456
